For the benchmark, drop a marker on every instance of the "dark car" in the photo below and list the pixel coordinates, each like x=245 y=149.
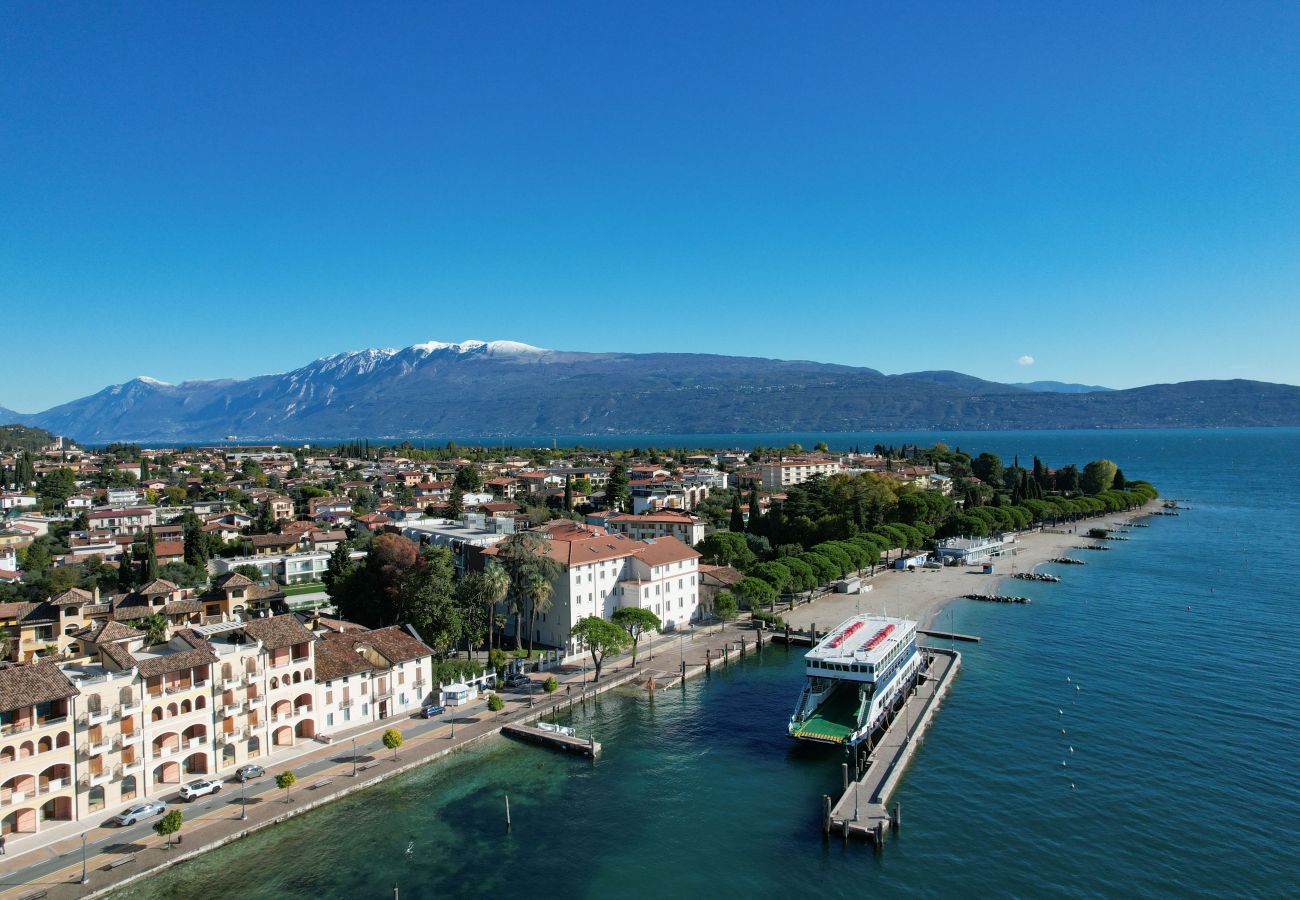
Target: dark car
x=431 y=711
x=248 y=773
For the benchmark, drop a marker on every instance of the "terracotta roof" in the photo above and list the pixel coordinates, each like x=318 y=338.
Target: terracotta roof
x=232 y=580
x=200 y=655
x=336 y=657
x=279 y=631
x=73 y=597
x=170 y=548
x=107 y=633
x=28 y=685
x=665 y=550
x=157 y=586
x=725 y=574
x=393 y=643
x=182 y=607
x=275 y=540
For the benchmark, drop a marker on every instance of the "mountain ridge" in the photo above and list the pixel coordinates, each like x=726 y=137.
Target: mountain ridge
x=505 y=388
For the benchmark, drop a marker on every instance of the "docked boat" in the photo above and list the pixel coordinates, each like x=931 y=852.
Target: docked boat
x=855 y=676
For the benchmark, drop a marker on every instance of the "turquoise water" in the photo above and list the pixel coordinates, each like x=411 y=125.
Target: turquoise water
x=1183 y=779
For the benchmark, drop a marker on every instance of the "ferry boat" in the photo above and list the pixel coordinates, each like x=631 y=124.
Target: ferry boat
x=855 y=676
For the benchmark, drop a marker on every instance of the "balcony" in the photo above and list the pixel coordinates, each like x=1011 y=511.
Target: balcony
x=54 y=785
x=193 y=743
x=97 y=717
x=252 y=677
x=10 y=798
x=165 y=750
x=345 y=703
x=383 y=695
x=179 y=688
x=90 y=748
x=133 y=766
x=16 y=728
x=302 y=711
x=232 y=709
x=233 y=682
x=94 y=779
x=129 y=737
x=129 y=709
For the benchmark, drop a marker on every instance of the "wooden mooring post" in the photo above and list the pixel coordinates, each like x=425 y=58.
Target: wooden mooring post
x=507 y=812
x=896 y=817
x=826 y=814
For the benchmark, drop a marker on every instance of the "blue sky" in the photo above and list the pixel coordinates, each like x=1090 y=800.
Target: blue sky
x=197 y=191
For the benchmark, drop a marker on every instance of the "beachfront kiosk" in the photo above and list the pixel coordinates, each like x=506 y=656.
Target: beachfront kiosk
x=458 y=694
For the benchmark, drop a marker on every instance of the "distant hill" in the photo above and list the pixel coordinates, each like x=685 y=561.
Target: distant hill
x=503 y=388
x=1059 y=387
x=23 y=437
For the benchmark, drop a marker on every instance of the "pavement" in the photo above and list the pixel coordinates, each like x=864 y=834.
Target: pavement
x=55 y=859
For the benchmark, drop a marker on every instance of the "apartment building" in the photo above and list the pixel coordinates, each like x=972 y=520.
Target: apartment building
x=782 y=474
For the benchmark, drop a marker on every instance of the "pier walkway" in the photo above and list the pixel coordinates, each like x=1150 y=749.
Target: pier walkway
x=863 y=808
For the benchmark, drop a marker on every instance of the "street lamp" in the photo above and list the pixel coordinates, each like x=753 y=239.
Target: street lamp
x=243 y=801
x=85 y=876
x=354 y=757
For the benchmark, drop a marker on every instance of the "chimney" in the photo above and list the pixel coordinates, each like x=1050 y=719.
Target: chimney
x=95 y=593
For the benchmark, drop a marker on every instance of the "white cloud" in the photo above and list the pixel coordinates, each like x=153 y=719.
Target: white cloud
x=1025 y=361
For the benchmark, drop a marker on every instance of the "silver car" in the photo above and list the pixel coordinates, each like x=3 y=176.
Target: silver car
x=138 y=812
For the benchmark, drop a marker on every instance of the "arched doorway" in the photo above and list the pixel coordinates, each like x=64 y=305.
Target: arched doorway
x=129 y=788
x=95 y=799
x=167 y=773
x=196 y=764
x=56 y=809
x=254 y=747
x=20 y=821
x=227 y=755
x=305 y=729
x=283 y=736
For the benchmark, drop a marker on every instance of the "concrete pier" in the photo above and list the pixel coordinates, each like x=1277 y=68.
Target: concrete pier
x=863 y=809
x=532 y=734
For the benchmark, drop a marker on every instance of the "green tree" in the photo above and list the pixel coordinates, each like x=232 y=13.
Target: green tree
x=737 y=515
x=338 y=568
x=196 y=542
x=169 y=825
x=1097 y=476
x=393 y=740
x=724 y=606
x=524 y=555
x=249 y=571
x=150 y=557
x=154 y=628
x=285 y=782
x=988 y=468
x=756 y=592
x=455 y=503
x=468 y=478
x=550 y=685
x=602 y=638
x=636 y=621
x=496 y=702
x=568 y=493
x=726 y=548
x=496 y=585
x=616 y=490
x=539 y=590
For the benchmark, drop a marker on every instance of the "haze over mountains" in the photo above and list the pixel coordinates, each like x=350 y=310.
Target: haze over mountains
x=504 y=388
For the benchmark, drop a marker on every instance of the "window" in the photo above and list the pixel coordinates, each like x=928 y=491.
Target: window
x=329 y=720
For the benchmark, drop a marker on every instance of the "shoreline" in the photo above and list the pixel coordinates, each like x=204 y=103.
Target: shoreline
x=923 y=594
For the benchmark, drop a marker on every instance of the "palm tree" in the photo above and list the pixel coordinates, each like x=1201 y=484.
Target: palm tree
x=154 y=628
x=496 y=584
x=540 y=591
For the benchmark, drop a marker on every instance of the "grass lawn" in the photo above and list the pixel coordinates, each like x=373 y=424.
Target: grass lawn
x=309 y=587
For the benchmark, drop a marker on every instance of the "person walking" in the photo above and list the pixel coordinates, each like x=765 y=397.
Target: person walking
x=2 y=845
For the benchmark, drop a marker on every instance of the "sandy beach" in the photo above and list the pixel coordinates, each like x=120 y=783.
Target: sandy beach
x=922 y=593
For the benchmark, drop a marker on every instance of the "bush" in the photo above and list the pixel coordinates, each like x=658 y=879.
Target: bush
x=496 y=702
x=1098 y=533
x=768 y=619
x=550 y=684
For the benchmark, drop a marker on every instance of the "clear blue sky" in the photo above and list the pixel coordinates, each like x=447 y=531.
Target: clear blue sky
x=195 y=191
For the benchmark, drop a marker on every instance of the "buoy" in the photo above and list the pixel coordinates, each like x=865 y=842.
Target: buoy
x=1077 y=688
x=1062 y=764
x=1060 y=712
x=1071 y=785
x=1067 y=677
x=1062 y=731
x=1071 y=749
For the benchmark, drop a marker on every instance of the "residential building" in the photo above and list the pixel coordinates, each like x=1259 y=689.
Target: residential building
x=779 y=474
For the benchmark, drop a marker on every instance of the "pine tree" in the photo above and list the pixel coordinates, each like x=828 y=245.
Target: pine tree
x=1119 y=483
x=737 y=517
x=455 y=503
x=196 y=543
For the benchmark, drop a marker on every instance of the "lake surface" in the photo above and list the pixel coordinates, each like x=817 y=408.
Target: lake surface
x=1170 y=663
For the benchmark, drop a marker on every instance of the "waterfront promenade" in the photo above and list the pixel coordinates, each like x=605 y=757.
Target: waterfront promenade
x=52 y=862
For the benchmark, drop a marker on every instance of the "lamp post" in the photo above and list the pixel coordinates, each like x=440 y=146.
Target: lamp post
x=354 y=757
x=243 y=800
x=85 y=876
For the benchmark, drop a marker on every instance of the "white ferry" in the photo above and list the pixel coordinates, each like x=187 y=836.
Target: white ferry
x=855 y=676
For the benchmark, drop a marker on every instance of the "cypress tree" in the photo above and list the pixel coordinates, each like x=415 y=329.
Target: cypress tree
x=150 y=558
x=755 y=517
x=568 y=493
x=1119 y=483
x=737 y=517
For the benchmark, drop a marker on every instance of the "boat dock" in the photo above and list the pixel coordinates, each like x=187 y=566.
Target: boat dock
x=863 y=808
x=569 y=743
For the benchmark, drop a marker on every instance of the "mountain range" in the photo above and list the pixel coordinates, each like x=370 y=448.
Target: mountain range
x=504 y=388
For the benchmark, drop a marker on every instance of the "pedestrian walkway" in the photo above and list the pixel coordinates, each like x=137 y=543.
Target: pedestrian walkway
x=54 y=861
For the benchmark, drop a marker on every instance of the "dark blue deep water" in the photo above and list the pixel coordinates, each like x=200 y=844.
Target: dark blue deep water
x=1184 y=778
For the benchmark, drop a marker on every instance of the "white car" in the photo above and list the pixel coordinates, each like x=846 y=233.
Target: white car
x=138 y=812
x=196 y=789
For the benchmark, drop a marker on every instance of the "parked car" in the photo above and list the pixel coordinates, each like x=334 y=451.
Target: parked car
x=431 y=711
x=138 y=812
x=248 y=773
x=196 y=789
x=517 y=680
